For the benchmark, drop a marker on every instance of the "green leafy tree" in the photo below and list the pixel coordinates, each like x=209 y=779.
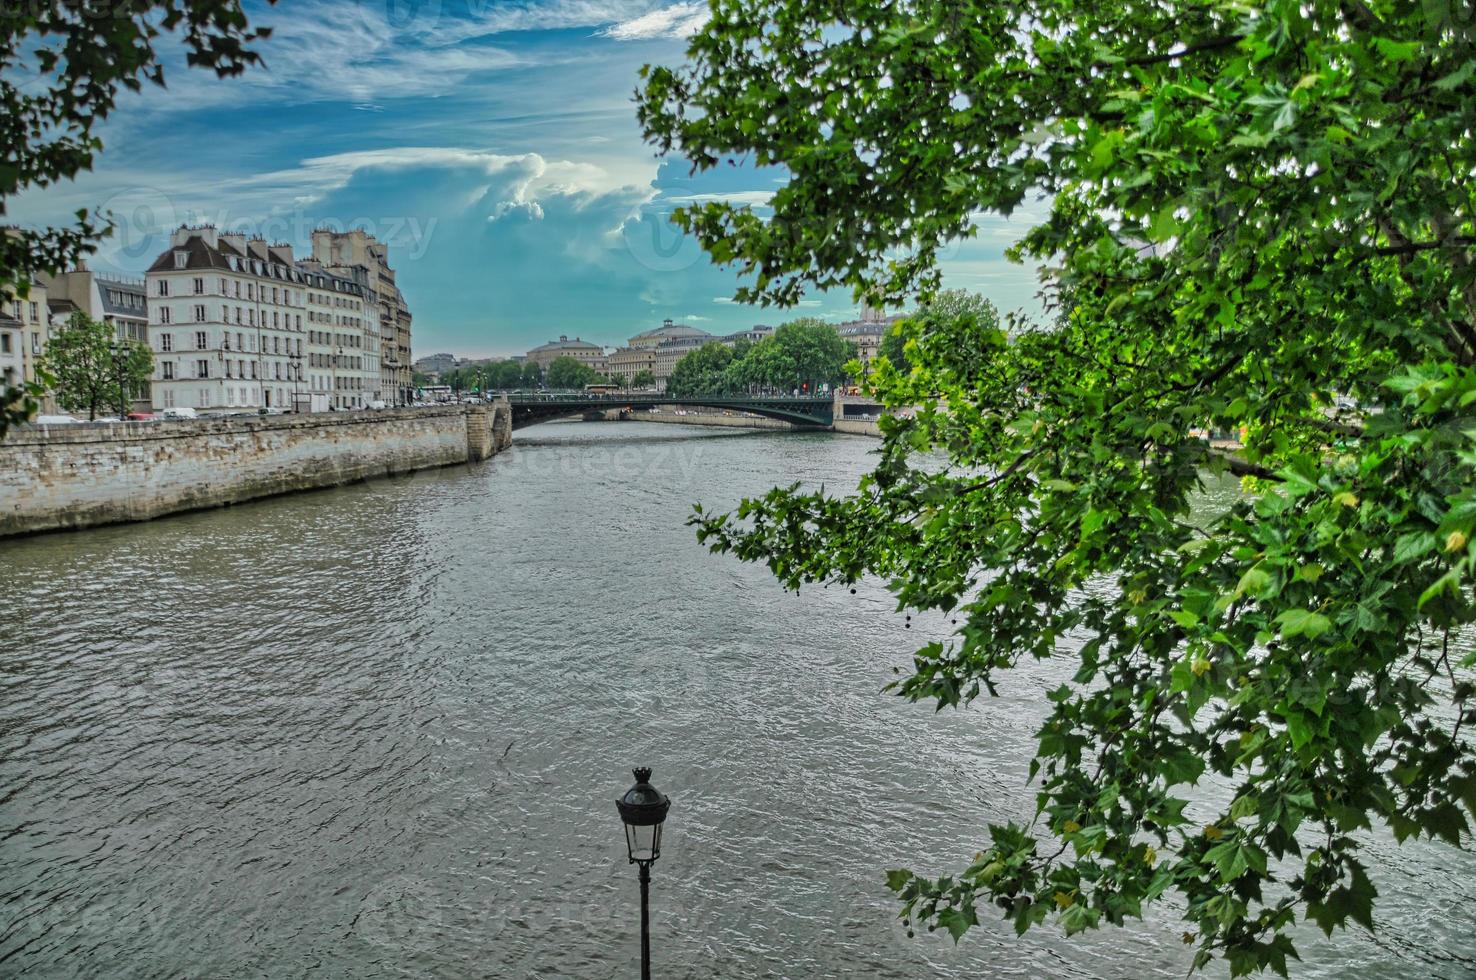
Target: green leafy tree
x=819 y=354
x=91 y=369
x=502 y=375
x=643 y=379
x=1261 y=217
x=700 y=372
x=767 y=367
x=64 y=62
x=532 y=375
x=946 y=306
x=568 y=373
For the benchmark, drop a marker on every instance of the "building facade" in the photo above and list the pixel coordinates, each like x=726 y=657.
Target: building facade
x=586 y=353
x=343 y=341
x=227 y=324
x=357 y=255
x=25 y=326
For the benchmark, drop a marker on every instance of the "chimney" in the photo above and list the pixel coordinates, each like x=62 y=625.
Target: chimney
x=235 y=239
x=258 y=247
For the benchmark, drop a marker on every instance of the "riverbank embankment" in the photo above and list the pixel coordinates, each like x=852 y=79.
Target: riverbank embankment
x=859 y=427
x=57 y=477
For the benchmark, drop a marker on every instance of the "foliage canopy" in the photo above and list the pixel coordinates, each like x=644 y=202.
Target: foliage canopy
x=804 y=353
x=568 y=373
x=62 y=63
x=1259 y=219
x=92 y=370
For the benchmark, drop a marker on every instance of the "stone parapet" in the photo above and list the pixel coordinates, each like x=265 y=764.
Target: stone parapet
x=75 y=476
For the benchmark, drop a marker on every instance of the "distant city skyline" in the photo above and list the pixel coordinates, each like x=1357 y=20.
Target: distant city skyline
x=493 y=147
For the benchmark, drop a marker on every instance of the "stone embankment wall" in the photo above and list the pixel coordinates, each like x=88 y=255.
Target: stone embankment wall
x=858 y=427
x=670 y=417
x=74 y=476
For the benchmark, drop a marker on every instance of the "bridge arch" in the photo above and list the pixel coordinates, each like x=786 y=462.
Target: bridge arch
x=532 y=409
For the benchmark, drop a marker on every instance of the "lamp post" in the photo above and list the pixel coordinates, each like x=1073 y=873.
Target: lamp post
x=643 y=811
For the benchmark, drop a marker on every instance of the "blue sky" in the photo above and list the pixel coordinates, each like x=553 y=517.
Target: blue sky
x=493 y=144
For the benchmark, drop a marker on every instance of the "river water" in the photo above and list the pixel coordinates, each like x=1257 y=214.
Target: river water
x=378 y=731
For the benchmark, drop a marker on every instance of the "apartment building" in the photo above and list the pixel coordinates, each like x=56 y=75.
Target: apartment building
x=227 y=324
x=343 y=341
x=357 y=255
x=24 y=330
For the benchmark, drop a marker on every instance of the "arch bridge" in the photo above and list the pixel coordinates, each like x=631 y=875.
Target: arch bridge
x=811 y=411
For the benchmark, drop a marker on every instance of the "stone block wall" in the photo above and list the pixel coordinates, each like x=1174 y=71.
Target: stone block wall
x=73 y=476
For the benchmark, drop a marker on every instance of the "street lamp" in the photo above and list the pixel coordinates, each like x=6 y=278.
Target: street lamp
x=643 y=811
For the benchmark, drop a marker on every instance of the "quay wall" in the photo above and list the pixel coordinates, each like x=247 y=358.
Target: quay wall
x=74 y=476
x=726 y=421
x=858 y=427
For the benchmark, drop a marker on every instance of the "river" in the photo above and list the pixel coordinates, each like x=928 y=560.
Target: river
x=378 y=731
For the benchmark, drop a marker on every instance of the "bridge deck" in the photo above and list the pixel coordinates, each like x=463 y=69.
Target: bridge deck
x=529 y=409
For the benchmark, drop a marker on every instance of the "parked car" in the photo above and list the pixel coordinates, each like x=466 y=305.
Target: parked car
x=178 y=413
x=56 y=420
x=142 y=417
x=378 y=406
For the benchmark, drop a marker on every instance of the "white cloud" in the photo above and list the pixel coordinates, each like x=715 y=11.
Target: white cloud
x=678 y=20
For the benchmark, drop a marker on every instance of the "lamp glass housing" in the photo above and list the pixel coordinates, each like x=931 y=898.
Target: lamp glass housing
x=643 y=810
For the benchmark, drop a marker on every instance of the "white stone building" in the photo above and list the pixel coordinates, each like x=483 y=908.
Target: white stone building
x=227 y=324
x=343 y=341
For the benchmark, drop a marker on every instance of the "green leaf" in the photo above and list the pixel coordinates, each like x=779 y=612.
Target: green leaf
x=1299 y=622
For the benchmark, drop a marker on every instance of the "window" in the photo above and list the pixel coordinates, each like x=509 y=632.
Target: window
x=238 y=293
x=35 y=343
x=181 y=259
x=200 y=340
x=275 y=348
x=34 y=315
x=168 y=397
x=240 y=343
x=228 y=369
x=274 y=318
x=204 y=397
x=199 y=286
x=274 y=294
x=202 y=368
x=5 y=343
x=277 y=369
x=226 y=340
x=253 y=369
x=223 y=287
x=238 y=315
x=163 y=314
x=163 y=287
x=168 y=368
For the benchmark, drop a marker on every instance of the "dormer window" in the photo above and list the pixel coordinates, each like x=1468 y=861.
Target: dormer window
x=181 y=258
